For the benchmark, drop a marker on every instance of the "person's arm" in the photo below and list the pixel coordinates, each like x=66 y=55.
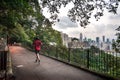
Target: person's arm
x=40 y=42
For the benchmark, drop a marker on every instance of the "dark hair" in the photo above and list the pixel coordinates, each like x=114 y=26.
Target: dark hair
x=36 y=38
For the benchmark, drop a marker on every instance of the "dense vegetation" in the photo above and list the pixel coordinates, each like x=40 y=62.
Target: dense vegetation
x=22 y=20
x=116 y=44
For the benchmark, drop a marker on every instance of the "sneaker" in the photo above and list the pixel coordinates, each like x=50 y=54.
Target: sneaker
x=36 y=60
x=39 y=61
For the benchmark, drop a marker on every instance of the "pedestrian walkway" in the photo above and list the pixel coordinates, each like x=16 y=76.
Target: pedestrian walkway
x=25 y=68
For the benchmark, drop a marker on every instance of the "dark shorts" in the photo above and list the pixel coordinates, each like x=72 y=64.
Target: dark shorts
x=37 y=51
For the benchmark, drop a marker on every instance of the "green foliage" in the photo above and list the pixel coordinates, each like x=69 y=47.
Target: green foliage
x=75 y=39
x=22 y=20
x=94 y=60
x=19 y=34
x=100 y=62
x=11 y=11
x=14 y=12
x=47 y=34
x=59 y=51
x=1 y=32
x=82 y=10
x=116 y=44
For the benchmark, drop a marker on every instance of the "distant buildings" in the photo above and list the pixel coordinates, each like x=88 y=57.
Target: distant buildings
x=97 y=40
x=81 y=37
x=103 y=38
x=65 y=39
x=103 y=44
x=78 y=44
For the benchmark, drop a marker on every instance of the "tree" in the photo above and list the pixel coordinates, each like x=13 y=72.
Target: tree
x=82 y=9
x=75 y=39
x=14 y=12
x=116 y=44
x=47 y=34
x=19 y=13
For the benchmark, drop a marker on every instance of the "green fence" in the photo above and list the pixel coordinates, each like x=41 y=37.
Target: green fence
x=97 y=61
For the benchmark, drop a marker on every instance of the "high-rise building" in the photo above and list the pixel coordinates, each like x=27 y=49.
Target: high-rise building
x=108 y=40
x=81 y=37
x=65 y=39
x=103 y=38
x=97 y=40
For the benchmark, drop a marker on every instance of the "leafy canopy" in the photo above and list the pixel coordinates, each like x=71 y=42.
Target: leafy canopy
x=13 y=12
x=116 y=44
x=82 y=9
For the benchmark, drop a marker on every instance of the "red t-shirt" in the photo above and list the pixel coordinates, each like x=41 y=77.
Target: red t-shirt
x=37 y=44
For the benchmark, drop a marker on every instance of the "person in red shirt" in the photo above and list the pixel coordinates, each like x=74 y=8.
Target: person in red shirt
x=37 y=46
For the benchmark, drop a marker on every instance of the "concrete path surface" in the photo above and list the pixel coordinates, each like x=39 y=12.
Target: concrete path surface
x=25 y=68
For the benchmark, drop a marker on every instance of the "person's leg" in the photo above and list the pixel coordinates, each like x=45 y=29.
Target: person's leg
x=37 y=56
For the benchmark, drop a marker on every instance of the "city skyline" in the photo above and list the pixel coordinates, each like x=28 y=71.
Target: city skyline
x=71 y=42
x=97 y=39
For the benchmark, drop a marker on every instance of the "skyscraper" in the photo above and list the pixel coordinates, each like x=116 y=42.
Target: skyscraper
x=103 y=38
x=97 y=40
x=108 y=40
x=81 y=37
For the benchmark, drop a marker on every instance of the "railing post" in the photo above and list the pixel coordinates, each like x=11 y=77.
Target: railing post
x=88 y=52
x=56 y=52
x=69 y=51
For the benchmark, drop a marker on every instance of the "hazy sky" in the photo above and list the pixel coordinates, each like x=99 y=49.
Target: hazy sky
x=106 y=25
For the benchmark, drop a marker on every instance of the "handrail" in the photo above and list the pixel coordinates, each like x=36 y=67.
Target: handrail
x=3 y=56
x=93 y=60
x=6 y=72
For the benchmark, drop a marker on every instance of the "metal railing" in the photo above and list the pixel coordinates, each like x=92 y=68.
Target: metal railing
x=93 y=60
x=3 y=62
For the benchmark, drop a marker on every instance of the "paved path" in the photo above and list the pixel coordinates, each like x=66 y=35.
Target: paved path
x=25 y=68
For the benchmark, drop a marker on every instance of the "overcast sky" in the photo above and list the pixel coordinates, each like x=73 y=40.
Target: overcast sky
x=105 y=26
